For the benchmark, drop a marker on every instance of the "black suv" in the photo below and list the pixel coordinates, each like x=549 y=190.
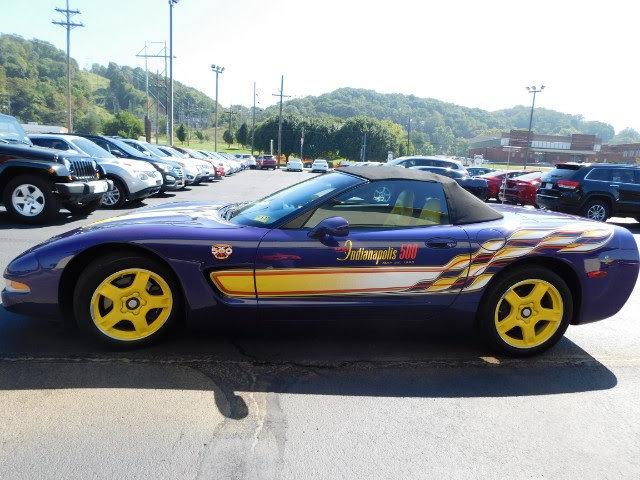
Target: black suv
x=596 y=191
x=36 y=182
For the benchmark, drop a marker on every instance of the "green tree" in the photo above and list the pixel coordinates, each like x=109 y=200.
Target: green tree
x=181 y=133
x=382 y=137
x=242 y=136
x=228 y=137
x=124 y=124
x=626 y=135
x=199 y=135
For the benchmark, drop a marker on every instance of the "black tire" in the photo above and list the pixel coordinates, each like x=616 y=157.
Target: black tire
x=486 y=315
x=98 y=271
x=49 y=200
x=85 y=208
x=594 y=206
x=118 y=185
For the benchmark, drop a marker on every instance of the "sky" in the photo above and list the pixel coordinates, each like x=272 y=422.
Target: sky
x=473 y=53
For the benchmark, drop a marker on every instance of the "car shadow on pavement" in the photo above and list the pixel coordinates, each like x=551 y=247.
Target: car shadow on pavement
x=317 y=359
x=64 y=217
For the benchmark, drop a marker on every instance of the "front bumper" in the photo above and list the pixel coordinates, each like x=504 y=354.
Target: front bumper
x=84 y=189
x=144 y=193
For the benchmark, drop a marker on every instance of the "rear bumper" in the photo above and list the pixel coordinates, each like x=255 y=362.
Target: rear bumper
x=563 y=203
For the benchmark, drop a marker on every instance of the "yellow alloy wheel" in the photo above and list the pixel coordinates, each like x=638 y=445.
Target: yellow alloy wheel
x=131 y=304
x=529 y=313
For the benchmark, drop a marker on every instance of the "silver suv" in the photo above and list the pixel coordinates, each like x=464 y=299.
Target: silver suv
x=132 y=179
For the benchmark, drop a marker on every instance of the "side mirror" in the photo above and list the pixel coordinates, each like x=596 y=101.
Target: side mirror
x=332 y=226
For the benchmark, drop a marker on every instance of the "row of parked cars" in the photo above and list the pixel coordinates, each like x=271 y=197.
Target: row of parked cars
x=40 y=174
x=596 y=191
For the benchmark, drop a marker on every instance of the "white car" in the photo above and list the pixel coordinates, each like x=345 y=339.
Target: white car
x=295 y=165
x=248 y=159
x=192 y=174
x=132 y=179
x=320 y=165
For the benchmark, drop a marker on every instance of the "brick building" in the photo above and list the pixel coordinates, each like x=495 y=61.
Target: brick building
x=622 y=153
x=549 y=149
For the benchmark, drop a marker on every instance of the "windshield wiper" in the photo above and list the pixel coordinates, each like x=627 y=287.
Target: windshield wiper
x=231 y=210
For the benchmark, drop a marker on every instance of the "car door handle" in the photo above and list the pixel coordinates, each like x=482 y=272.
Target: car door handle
x=441 y=243
x=615 y=186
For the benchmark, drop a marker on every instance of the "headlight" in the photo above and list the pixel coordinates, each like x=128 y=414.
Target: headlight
x=164 y=167
x=17 y=287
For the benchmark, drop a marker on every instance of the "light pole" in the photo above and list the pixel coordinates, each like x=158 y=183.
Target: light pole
x=409 y=138
x=218 y=70
x=535 y=90
x=170 y=132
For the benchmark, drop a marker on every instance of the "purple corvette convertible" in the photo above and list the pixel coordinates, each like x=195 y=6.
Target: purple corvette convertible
x=360 y=241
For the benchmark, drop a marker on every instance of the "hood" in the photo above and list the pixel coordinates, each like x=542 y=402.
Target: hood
x=187 y=214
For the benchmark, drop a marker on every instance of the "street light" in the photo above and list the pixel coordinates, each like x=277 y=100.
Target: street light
x=218 y=70
x=170 y=132
x=535 y=90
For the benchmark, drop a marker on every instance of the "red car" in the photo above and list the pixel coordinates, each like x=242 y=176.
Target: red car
x=494 y=180
x=522 y=189
x=266 y=161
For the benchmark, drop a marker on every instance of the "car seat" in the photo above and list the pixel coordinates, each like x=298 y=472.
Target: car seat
x=431 y=212
x=402 y=212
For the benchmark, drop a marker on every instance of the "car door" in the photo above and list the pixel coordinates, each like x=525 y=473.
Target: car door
x=400 y=251
x=624 y=180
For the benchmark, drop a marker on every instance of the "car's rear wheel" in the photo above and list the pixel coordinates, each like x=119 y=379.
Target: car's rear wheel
x=125 y=299
x=525 y=312
x=30 y=199
x=597 y=210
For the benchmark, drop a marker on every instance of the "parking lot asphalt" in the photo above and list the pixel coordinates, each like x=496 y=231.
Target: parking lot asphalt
x=331 y=400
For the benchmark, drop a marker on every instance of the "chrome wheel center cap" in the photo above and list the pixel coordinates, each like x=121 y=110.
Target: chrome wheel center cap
x=526 y=312
x=133 y=303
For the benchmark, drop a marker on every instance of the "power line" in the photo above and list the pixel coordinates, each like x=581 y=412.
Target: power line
x=69 y=24
x=162 y=53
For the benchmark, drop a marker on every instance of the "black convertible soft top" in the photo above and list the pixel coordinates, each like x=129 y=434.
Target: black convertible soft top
x=464 y=207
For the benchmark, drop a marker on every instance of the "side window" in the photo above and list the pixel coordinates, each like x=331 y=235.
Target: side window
x=408 y=163
x=43 y=142
x=622 y=175
x=102 y=143
x=59 y=145
x=603 y=174
x=387 y=204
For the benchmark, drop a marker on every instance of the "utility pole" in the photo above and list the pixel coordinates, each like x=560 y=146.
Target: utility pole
x=231 y=113
x=69 y=24
x=363 y=149
x=170 y=113
x=535 y=90
x=144 y=53
x=218 y=70
x=409 y=138
x=253 y=117
x=281 y=95
x=301 y=142
x=157 y=108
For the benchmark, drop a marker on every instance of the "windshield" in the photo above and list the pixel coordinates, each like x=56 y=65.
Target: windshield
x=271 y=209
x=155 y=150
x=90 y=148
x=11 y=131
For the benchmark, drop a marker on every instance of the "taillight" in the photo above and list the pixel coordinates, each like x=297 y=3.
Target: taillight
x=568 y=184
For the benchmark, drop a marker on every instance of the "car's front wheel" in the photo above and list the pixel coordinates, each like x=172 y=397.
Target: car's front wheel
x=525 y=312
x=125 y=299
x=116 y=197
x=597 y=210
x=30 y=199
